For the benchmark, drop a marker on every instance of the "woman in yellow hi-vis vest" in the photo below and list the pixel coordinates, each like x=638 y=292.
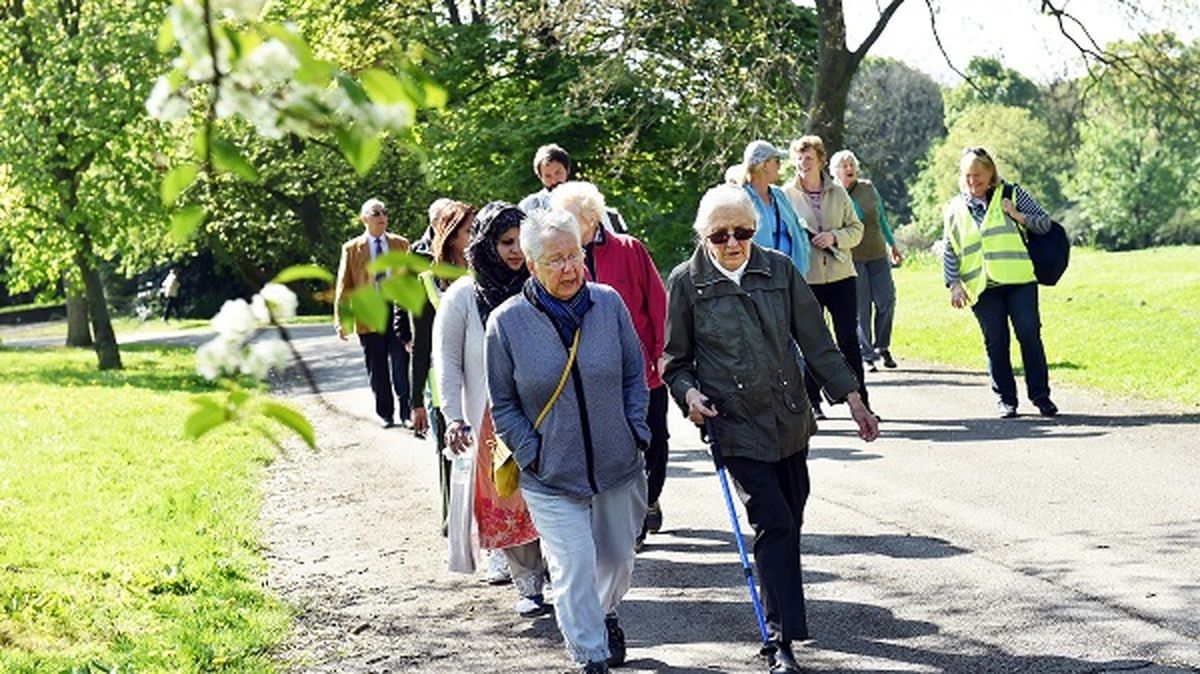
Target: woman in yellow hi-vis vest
x=986 y=266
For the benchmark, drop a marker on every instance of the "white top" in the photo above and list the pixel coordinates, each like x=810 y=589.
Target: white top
x=458 y=355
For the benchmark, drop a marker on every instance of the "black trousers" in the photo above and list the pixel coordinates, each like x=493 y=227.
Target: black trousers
x=656 y=453
x=387 y=369
x=840 y=299
x=774 y=494
x=437 y=426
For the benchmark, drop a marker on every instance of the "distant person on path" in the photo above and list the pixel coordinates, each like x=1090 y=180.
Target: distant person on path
x=385 y=354
x=621 y=261
x=874 y=257
x=170 y=292
x=503 y=522
x=552 y=165
x=449 y=230
x=827 y=209
x=564 y=351
x=986 y=266
x=736 y=311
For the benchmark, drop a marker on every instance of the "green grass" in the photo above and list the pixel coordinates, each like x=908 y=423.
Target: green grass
x=1126 y=323
x=123 y=546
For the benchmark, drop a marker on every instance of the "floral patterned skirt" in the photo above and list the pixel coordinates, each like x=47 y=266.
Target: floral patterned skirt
x=503 y=521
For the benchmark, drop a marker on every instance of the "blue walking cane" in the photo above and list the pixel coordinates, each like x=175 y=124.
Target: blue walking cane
x=748 y=570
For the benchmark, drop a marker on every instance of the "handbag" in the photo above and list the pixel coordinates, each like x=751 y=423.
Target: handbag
x=1050 y=253
x=505 y=473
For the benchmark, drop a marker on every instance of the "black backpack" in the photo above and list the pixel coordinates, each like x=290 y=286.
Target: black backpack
x=1049 y=252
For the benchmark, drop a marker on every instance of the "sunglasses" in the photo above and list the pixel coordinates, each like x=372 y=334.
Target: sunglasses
x=977 y=151
x=722 y=237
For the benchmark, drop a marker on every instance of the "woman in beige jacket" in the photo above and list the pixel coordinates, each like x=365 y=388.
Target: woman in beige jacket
x=835 y=229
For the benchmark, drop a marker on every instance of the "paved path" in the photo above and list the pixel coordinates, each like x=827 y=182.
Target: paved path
x=956 y=543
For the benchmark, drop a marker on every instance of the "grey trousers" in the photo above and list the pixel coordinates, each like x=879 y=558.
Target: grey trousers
x=875 y=288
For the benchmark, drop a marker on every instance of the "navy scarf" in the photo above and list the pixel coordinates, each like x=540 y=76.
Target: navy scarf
x=566 y=315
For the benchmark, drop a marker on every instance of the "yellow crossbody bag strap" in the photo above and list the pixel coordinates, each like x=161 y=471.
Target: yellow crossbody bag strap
x=562 y=381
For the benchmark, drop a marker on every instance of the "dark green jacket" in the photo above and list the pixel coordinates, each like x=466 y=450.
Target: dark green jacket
x=735 y=344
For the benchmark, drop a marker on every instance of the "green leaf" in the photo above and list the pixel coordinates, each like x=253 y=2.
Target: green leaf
x=292 y=419
x=435 y=95
x=405 y=290
x=361 y=150
x=166 y=36
x=346 y=314
x=357 y=94
x=227 y=158
x=186 y=221
x=208 y=416
x=370 y=308
x=448 y=271
x=396 y=260
x=177 y=180
x=384 y=88
x=300 y=272
x=200 y=143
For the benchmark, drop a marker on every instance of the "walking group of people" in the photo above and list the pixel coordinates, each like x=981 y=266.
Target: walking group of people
x=555 y=358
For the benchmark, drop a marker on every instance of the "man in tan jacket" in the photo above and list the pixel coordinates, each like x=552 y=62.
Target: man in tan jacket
x=385 y=353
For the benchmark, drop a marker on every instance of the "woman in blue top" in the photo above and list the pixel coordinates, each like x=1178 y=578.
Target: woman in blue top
x=779 y=227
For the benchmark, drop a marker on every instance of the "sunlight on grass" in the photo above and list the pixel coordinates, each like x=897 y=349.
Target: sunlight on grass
x=1125 y=323
x=123 y=546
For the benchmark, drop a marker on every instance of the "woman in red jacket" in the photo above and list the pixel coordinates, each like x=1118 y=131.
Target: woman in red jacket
x=621 y=261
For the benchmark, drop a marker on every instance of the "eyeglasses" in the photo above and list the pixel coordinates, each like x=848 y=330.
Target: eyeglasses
x=722 y=237
x=559 y=263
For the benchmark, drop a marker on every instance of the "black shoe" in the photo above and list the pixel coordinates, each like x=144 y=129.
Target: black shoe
x=818 y=413
x=387 y=423
x=780 y=659
x=640 y=542
x=869 y=366
x=616 y=642
x=653 y=518
x=594 y=668
x=1046 y=408
x=888 y=361
x=1006 y=410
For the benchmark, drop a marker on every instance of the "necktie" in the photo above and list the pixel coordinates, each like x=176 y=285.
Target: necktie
x=379 y=251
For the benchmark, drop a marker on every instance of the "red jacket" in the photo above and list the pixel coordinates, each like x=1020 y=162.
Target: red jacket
x=624 y=263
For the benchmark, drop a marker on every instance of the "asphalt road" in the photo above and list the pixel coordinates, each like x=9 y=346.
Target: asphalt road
x=958 y=542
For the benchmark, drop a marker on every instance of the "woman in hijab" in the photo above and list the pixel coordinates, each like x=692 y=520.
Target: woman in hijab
x=494 y=255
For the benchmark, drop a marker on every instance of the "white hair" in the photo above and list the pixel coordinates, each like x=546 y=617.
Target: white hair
x=437 y=206
x=735 y=174
x=720 y=198
x=842 y=156
x=541 y=224
x=578 y=196
x=371 y=203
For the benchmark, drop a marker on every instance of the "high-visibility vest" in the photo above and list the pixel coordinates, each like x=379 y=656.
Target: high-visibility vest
x=435 y=299
x=991 y=251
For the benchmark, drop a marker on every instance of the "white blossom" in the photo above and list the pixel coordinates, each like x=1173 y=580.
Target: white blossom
x=265 y=355
x=254 y=108
x=274 y=300
x=271 y=64
x=392 y=117
x=219 y=356
x=164 y=103
x=238 y=9
x=235 y=321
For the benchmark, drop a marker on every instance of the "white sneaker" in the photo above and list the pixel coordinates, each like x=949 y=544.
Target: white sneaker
x=497 y=572
x=532 y=607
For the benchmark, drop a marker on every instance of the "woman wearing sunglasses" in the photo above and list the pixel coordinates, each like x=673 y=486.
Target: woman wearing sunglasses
x=734 y=311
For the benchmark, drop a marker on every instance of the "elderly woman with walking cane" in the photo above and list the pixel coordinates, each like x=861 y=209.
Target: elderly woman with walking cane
x=735 y=313
x=564 y=366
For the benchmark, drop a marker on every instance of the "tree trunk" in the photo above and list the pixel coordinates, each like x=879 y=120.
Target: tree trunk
x=78 y=331
x=107 y=351
x=836 y=65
